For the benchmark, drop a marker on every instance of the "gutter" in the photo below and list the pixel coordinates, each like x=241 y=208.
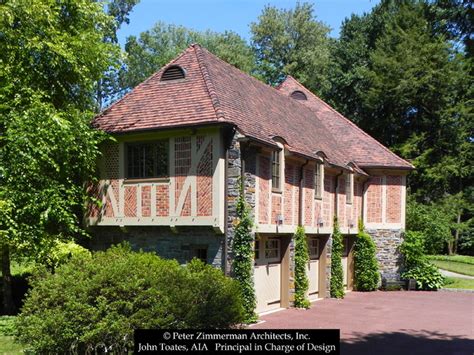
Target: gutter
x=226 y=213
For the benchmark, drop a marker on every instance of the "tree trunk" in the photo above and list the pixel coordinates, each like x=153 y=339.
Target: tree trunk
x=456 y=235
x=8 y=305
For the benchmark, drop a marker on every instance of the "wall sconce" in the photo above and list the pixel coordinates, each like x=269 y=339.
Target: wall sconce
x=350 y=222
x=320 y=222
x=279 y=219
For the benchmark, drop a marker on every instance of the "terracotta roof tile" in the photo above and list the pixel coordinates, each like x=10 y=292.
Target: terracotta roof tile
x=213 y=91
x=364 y=150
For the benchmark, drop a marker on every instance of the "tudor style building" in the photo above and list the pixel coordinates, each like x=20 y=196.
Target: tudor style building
x=187 y=135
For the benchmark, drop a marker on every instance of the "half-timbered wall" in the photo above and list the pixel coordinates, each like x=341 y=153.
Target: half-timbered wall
x=385 y=202
x=317 y=213
x=193 y=194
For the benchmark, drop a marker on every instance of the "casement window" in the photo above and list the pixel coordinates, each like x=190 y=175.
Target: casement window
x=276 y=170
x=349 y=187
x=318 y=181
x=147 y=160
x=313 y=248
x=257 y=250
x=272 y=249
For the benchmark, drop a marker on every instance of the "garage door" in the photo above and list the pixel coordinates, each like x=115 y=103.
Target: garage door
x=267 y=274
x=345 y=254
x=312 y=270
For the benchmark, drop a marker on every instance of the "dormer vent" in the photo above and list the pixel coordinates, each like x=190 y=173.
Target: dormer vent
x=173 y=73
x=298 y=95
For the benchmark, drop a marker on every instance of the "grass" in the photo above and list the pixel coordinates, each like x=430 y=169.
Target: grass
x=454 y=266
x=454 y=282
x=7 y=345
x=466 y=259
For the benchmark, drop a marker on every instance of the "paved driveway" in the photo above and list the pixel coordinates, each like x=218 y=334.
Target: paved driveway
x=390 y=322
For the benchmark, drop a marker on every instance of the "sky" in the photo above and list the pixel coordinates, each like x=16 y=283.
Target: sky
x=235 y=15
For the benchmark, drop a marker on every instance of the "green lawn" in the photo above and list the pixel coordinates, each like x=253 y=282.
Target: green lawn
x=7 y=345
x=466 y=259
x=454 y=282
x=454 y=266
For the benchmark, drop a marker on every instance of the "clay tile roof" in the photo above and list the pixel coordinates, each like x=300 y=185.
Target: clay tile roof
x=213 y=91
x=364 y=150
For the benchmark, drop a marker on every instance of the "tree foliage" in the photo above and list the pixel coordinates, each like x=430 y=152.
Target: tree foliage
x=51 y=55
x=301 y=264
x=337 y=272
x=243 y=257
x=292 y=42
x=157 y=46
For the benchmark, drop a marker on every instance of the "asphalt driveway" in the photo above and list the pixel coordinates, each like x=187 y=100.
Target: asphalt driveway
x=390 y=322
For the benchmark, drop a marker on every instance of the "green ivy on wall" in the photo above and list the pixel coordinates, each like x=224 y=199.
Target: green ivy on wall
x=243 y=257
x=366 y=270
x=301 y=261
x=337 y=278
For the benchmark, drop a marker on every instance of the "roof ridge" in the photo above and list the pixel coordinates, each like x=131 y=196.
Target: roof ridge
x=115 y=103
x=211 y=90
x=349 y=121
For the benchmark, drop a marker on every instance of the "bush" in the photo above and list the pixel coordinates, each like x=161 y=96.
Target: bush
x=366 y=270
x=337 y=272
x=417 y=265
x=61 y=253
x=427 y=277
x=97 y=303
x=301 y=261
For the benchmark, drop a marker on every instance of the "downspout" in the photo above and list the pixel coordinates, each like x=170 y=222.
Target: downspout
x=300 y=215
x=364 y=187
x=226 y=214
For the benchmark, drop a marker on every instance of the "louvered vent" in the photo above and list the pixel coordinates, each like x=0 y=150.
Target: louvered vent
x=298 y=95
x=172 y=73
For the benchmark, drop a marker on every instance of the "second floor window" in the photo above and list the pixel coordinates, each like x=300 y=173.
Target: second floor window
x=147 y=160
x=349 y=187
x=276 y=178
x=318 y=181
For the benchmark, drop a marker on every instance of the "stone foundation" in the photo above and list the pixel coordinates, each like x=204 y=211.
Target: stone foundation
x=388 y=255
x=163 y=241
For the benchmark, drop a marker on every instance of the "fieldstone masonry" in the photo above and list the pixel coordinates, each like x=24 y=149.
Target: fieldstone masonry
x=388 y=254
x=163 y=241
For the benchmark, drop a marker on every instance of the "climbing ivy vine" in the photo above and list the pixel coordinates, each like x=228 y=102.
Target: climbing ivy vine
x=337 y=278
x=243 y=251
x=301 y=260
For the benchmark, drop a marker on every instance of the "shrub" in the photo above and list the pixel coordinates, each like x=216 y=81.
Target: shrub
x=301 y=261
x=242 y=264
x=95 y=304
x=426 y=275
x=366 y=270
x=337 y=273
x=417 y=265
x=61 y=253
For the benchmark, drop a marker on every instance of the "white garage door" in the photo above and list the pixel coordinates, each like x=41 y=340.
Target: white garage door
x=267 y=274
x=312 y=269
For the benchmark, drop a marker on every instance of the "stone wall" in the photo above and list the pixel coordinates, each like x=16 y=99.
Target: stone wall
x=388 y=255
x=163 y=241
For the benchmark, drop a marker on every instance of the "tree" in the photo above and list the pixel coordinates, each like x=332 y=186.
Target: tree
x=402 y=74
x=156 y=47
x=292 y=42
x=52 y=54
x=366 y=269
